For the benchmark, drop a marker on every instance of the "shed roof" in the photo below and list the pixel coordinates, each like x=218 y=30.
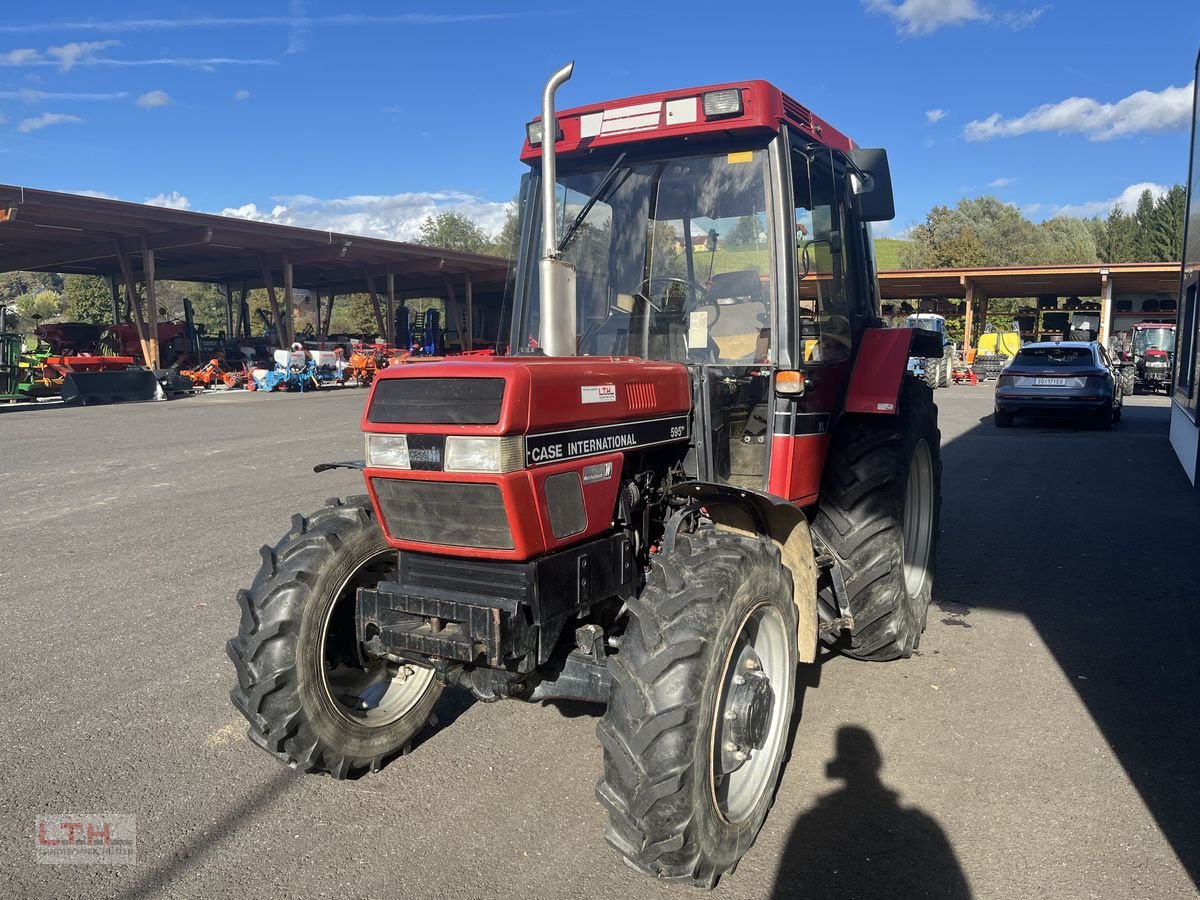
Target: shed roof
x=50 y=231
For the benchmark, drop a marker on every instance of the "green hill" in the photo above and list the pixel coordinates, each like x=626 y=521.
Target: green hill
x=887 y=253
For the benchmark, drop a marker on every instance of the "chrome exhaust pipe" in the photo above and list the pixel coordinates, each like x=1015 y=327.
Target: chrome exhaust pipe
x=556 y=278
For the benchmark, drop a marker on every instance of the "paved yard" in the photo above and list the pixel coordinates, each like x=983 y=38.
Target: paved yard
x=1041 y=744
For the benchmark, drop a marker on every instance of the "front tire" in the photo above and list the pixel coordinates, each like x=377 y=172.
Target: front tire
x=313 y=699
x=697 y=725
x=878 y=514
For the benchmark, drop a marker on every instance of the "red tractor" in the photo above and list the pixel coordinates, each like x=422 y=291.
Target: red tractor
x=702 y=458
x=1152 y=350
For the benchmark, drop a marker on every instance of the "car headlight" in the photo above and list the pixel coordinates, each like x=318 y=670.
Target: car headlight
x=388 y=451
x=484 y=454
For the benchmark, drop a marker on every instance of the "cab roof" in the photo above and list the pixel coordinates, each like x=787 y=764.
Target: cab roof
x=765 y=109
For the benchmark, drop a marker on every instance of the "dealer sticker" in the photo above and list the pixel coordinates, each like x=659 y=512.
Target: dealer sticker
x=598 y=393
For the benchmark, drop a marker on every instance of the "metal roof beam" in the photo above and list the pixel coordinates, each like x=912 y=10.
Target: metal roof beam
x=183 y=237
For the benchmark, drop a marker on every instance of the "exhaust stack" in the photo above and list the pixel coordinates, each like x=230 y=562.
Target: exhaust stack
x=556 y=278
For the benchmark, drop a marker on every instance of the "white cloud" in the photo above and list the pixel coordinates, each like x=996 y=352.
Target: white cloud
x=173 y=200
x=154 y=99
x=23 y=57
x=914 y=18
x=1001 y=182
x=928 y=143
x=1127 y=200
x=70 y=54
x=934 y=115
x=241 y=95
x=1142 y=111
x=98 y=194
x=114 y=26
x=45 y=119
x=394 y=216
x=1019 y=21
x=29 y=95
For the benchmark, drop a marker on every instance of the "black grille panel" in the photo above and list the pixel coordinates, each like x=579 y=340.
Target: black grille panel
x=564 y=499
x=438 y=512
x=437 y=401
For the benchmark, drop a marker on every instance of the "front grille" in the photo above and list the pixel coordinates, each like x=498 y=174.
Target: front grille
x=448 y=513
x=642 y=396
x=437 y=401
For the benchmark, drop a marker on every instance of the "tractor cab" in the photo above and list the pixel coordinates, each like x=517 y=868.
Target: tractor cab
x=724 y=229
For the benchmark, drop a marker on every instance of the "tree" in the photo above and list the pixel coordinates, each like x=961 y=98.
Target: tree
x=1164 y=242
x=505 y=243
x=88 y=299
x=1143 y=217
x=1068 y=240
x=353 y=314
x=1120 y=237
x=45 y=304
x=745 y=232
x=453 y=231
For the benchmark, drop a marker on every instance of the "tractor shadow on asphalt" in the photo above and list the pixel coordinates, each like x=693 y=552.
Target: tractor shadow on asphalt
x=1092 y=536
x=860 y=841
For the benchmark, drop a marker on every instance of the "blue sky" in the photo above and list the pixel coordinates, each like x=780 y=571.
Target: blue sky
x=366 y=117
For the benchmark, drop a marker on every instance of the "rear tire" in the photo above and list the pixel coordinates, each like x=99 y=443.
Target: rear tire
x=878 y=514
x=680 y=805
x=931 y=374
x=944 y=373
x=1128 y=381
x=313 y=699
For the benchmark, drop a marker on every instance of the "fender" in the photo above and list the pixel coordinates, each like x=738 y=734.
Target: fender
x=882 y=364
x=753 y=513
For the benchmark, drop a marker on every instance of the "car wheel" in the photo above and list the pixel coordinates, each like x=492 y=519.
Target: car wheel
x=1003 y=419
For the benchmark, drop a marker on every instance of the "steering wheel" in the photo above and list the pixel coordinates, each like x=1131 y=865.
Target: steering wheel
x=703 y=298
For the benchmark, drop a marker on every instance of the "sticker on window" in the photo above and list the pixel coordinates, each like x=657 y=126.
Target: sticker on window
x=698 y=330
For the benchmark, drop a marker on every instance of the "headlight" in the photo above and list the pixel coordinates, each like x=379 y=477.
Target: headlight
x=484 y=454
x=389 y=451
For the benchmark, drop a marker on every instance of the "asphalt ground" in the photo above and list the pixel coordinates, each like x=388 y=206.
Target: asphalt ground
x=1042 y=742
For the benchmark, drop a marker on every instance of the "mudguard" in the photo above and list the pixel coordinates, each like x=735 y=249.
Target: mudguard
x=882 y=364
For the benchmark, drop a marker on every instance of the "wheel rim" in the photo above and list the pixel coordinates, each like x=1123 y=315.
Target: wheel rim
x=918 y=519
x=362 y=690
x=751 y=714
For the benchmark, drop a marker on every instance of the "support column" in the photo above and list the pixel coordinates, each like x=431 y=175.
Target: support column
x=470 y=316
x=383 y=331
x=452 y=312
x=1106 y=307
x=242 y=325
x=228 y=311
x=269 y=284
x=132 y=302
x=151 y=305
x=969 y=316
x=116 y=299
x=391 y=308
x=289 y=303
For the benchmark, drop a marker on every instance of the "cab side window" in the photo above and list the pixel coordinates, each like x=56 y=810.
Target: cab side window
x=822 y=288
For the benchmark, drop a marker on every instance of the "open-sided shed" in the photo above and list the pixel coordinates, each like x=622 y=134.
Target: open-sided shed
x=132 y=244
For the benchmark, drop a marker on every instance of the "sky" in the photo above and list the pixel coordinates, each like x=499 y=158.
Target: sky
x=366 y=117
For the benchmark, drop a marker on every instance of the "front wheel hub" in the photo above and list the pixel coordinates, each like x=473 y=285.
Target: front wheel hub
x=749 y=702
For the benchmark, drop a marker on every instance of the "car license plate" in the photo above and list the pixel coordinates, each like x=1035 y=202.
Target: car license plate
x=1049 y=382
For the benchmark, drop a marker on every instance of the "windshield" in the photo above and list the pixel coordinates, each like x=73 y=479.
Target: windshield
x=1159 y=338
x=1055 y=356
x=673 y=258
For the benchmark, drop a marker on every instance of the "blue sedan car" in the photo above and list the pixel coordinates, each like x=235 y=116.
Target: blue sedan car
x=1075 y=379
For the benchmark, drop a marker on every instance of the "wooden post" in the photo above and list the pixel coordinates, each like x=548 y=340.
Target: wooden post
x=1106 y=307
x=969 y=319
x=269 y=284
x=470 y=316
x=452 y=312
x=242 y=326
x=228 y=310
x=391 y=308
x=289 y=302
x=132 y=301
x=116 y=299
x=375 y=303
x=151 y=305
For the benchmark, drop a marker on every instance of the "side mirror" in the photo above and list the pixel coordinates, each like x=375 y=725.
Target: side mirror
x=873 y=193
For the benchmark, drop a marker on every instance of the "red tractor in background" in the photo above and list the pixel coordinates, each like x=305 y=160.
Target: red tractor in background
x=702 y=457
x=1152 y=350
